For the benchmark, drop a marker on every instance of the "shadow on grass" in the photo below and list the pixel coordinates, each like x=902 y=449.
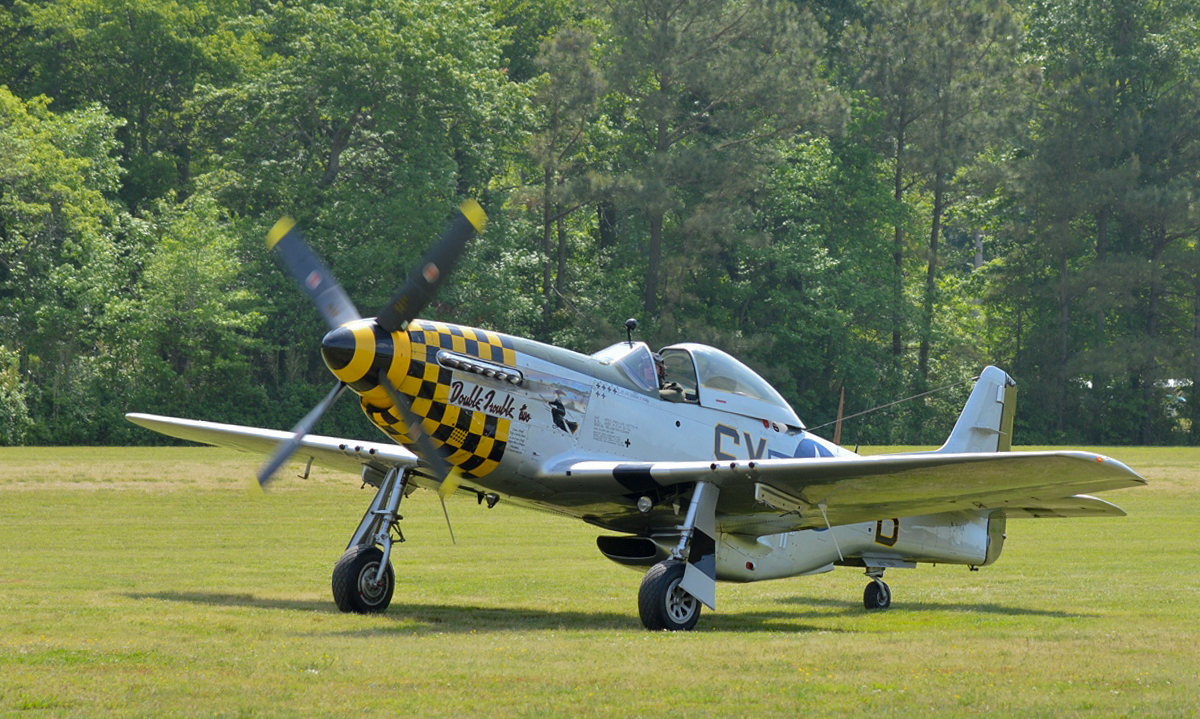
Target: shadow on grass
x=219 y=599
x=852 y=607
x=427 y=618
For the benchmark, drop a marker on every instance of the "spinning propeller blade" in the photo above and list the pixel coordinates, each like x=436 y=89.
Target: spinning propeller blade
x=313 y=277
x=335 y=306
x=437 y=262
x=302 y=428
x=425 y=449
x=450 y=477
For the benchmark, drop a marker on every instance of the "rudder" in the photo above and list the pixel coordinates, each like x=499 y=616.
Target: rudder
x=986 y=422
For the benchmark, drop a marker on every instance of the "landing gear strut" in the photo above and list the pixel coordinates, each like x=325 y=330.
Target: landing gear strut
x=363 y=580
x=877 y=594
x=673 y=590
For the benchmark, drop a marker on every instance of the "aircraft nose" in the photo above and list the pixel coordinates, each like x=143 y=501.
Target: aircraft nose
x=356 y=352
x=337 y=347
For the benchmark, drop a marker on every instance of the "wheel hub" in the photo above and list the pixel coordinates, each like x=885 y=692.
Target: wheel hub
x=680 y=604
x=370 y=590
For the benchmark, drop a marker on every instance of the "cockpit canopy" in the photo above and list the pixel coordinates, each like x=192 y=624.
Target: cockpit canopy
x=722 y=382
x=703 y=375
x=634 y=360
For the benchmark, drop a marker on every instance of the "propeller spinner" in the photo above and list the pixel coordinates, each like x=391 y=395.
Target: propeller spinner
x=360 y=351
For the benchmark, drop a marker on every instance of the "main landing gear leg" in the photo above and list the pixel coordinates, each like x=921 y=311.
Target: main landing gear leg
x=673 y=590
x=363 y=580
x=877 y=595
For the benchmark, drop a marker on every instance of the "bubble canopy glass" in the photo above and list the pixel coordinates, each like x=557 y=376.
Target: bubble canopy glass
x=727 y=384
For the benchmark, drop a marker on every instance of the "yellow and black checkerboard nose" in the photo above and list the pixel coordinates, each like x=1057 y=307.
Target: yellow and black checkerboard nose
x=470 y=440
x=434 y=336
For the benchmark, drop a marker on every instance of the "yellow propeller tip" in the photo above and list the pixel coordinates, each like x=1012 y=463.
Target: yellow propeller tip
x=474 y=213
x=254 y=490
x=450 y=484
x=280 y=229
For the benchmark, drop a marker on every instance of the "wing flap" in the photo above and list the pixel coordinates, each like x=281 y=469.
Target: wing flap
x=330 y=452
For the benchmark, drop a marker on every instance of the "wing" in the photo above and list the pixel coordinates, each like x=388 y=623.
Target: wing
x=331 y=452
x=777 y=495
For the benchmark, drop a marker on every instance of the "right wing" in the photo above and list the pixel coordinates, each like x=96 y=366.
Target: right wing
x=782 y=495
x=331 y=452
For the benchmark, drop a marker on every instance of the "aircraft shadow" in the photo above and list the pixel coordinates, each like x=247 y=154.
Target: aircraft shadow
x=413 y=618
x=849 y=606
x=219 y=599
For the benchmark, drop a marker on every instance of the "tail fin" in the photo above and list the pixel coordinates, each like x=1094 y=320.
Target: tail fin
x=985 y=424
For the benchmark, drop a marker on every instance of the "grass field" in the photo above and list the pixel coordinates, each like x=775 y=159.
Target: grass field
x=144 y=582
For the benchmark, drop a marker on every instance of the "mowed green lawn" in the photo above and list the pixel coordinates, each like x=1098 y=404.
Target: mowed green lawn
x=146 y=582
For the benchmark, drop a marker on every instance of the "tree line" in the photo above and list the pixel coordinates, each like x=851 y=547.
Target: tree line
x=868 y=198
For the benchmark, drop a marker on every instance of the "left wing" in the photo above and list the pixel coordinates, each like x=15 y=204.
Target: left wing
x=778 y=495
x=344 y=454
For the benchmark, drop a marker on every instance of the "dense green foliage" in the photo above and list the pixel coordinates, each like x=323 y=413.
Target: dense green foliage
x=875 y=196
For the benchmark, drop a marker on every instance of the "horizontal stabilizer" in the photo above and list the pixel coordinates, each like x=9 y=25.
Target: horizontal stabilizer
x=1080 y=505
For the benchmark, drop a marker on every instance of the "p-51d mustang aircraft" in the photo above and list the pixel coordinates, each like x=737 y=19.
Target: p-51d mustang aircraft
x=699 y=466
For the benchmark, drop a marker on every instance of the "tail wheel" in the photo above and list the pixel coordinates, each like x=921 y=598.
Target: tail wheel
x=877 y=595
x=662 y=603
x=354 y=586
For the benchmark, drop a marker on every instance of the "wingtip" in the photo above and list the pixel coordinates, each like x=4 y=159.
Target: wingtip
x=1137 y=479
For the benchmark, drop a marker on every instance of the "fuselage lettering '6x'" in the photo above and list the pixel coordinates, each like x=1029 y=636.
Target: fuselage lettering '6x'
x=723 y=433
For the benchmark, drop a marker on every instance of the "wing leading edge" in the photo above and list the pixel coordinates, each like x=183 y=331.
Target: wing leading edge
x=330 y=452
x=776 y=495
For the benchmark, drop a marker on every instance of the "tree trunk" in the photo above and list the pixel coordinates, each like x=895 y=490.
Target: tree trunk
x=1193 y=397
x=547 y=224
x=661 y=145
x=560 y=277
x=898 y=253
x=1149 y=386
x=606 y=219
x=1100 y=380
x=652 y=267
x=1064 y=338
x=939 y=194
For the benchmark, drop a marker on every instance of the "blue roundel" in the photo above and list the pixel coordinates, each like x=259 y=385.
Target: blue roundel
x=811 y=448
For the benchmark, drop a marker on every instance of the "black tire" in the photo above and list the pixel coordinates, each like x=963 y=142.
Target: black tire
x=662 y=604
x=354 y=588
x=877 y=595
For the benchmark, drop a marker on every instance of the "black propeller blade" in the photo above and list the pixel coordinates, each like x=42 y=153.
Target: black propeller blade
x=313 y=277
x=416 y=432
x=302 y=428
x=437 y=262
x=449 y=476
